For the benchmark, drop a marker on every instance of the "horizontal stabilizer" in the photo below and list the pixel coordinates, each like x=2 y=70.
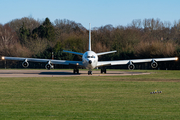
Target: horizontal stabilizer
x=103 y=53
x=73 y=52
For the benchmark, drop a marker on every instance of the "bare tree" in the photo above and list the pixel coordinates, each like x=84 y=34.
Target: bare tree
x=136 y=23
x=7 y=36
x=9 y=45
x=29 y=23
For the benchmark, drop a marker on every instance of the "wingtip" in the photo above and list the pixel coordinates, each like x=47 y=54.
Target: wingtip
x=2 y=58
x=176 y=58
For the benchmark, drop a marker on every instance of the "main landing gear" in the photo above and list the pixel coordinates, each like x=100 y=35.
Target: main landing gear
x=76 y=71
x=103 y=70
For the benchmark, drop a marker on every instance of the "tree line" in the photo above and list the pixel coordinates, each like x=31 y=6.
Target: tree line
x=148 y=38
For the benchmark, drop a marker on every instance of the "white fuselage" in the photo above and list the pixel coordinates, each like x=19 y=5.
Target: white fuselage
x=90 y=60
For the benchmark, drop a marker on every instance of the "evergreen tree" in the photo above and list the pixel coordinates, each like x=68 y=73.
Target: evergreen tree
x=46 y=30
x=24 y=34
x=49 y=30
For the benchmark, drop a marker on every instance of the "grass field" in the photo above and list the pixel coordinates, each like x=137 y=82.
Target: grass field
x=121 y=97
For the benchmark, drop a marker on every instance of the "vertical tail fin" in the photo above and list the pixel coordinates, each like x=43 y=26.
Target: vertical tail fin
x=89 y=36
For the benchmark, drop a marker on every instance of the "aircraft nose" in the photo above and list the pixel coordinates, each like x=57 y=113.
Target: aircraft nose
x=90 y=61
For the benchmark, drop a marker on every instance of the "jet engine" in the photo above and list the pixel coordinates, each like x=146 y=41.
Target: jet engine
x=48 y=66
x=25 y=64
x=131 y=66
x=154 y=64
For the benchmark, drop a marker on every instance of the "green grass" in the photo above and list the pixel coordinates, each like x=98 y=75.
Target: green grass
x=117 y=97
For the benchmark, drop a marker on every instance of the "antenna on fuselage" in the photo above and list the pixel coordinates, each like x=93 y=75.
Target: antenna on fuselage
x=89 y=36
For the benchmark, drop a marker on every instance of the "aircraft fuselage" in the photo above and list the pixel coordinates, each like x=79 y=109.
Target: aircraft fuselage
x=90 y=60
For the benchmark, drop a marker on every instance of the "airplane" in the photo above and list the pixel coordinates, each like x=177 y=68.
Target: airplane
x=89 y=60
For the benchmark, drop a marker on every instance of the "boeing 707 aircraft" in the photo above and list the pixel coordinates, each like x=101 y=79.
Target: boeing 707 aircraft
x=89 y=60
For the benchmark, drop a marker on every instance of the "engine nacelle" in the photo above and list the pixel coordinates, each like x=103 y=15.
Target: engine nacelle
x=154 y=64
x=25 y=64
x=48 y=66
x=131 y=67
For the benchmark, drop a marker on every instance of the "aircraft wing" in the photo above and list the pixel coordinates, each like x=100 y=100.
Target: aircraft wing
x=63 y=62
x=125 y=62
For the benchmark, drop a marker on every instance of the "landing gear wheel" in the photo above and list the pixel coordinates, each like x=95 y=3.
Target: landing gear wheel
x=89 y=72
x=76 y=71
x=103 y=71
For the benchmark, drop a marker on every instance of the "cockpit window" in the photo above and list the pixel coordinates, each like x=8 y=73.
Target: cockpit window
x=91 y=56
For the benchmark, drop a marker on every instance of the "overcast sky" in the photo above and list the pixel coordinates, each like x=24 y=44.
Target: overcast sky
x=96 y=12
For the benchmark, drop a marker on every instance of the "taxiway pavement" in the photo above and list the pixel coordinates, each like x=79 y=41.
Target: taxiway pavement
x=60 y=73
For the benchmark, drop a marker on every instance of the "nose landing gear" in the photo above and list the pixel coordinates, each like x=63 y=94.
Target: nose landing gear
x=89 y=72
